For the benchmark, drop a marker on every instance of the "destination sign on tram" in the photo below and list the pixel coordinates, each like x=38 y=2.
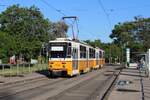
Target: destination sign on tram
x=57 y=48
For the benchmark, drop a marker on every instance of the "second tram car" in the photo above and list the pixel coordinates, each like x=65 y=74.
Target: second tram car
x=73 y=58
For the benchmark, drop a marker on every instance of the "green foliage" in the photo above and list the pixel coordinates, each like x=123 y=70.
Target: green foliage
x=59 y=30
x=134 y=34
x=23 y=31
x=95 y=43
x=7 y=44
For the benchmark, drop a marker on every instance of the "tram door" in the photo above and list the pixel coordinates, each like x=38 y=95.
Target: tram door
x=75 y=58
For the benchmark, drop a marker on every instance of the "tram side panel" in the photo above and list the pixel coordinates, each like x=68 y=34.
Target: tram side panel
x=82 y=65
x=83 y=59
x=96 y=61
x=103 y=59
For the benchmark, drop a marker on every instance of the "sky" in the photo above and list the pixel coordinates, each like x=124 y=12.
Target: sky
x=96 y=18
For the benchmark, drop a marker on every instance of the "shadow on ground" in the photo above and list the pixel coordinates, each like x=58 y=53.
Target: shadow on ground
x=47 y=74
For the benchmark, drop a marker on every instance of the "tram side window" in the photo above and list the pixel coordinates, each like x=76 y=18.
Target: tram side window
x=82 y=52
x=100 y=54
x=103 y=54
x=69 y=50
x=97 y=55
x=91 y=53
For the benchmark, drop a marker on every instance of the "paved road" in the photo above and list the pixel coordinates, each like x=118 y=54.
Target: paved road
x=127 y=91
x=88 y=86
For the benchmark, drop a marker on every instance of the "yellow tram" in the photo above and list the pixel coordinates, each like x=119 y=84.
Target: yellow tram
x=72 y=58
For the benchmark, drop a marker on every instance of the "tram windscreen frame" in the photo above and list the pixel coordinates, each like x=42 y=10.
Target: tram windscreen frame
x=59 y=50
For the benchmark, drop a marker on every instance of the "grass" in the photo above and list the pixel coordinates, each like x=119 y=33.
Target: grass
x=18 y=70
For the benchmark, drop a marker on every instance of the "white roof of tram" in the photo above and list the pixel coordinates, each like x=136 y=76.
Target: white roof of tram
x=69 y=40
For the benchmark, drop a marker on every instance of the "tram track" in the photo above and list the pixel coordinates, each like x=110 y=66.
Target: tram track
x=36 y=88
x=29 y=83
x=53 y=89
x=110 y=86
x=82 y=85
x=20 y=83
x=78 y=85
x=27 y=87
x=59 y=88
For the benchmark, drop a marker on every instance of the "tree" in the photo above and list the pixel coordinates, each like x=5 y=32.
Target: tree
x=59 y=30
x=27 y=30
x=95 y=43
x=122 y=34
x=133 y=34
x=143 y=31
x=7 y=45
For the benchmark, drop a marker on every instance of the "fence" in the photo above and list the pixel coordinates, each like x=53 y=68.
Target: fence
x=19 y=69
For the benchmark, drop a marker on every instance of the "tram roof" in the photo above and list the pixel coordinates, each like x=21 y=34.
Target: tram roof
x=69 y=40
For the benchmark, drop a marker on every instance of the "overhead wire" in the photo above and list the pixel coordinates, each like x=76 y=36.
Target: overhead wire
x=104 y=10
x=129 y=7
x=54 y=8
x=60 y=11
x=3 y=5
x=51 y=6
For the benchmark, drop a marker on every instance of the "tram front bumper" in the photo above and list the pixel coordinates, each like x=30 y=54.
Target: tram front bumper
x=57 y=72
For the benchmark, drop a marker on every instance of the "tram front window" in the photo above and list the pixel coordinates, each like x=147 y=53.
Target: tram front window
x=58 y=54
x=59 y=50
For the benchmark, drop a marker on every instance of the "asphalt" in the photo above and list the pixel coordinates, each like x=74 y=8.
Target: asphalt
x=82 y=87
x=132 y=84
x=146 y=88
x=21 y=78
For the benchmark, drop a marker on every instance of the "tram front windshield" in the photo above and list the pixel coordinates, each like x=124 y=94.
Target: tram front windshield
x=58 y=50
